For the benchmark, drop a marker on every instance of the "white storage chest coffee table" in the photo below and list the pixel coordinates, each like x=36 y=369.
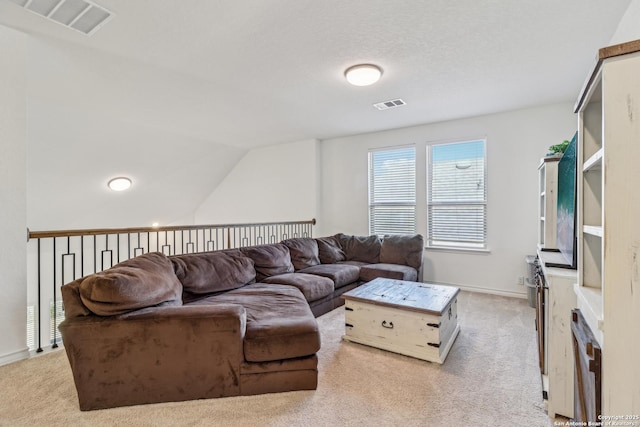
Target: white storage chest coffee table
x=410 y=318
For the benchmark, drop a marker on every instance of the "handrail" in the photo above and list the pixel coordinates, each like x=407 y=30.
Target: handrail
x=102 y=231
x=56 y=257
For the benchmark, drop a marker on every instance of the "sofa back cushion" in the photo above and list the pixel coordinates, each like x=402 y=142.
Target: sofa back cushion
x=303 y=252
x=403 y=250
x=144 y=281
x=360 y=248
x=329 y=250
x=73 y=305
x=211 y=272
x=269 y=260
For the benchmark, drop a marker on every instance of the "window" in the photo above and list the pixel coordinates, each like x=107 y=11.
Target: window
x=392 y=191
x=457 y=195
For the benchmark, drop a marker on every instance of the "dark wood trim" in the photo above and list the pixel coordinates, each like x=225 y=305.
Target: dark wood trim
x=551 y=159
x=102 y=231
x=619 y=49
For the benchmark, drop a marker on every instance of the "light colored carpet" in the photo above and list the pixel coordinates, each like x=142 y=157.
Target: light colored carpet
x=490 y=378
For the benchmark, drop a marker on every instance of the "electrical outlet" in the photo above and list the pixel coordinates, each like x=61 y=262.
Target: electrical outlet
x=521 y=280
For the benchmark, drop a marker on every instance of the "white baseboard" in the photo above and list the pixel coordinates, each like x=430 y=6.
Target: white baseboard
x=16 y=356
x=46 y=349
x=493 y=291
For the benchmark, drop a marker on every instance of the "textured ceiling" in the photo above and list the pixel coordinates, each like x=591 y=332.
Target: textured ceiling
x=174 y=93
x=255 y=72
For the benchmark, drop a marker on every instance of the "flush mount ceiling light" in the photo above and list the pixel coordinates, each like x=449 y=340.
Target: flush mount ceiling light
x=363 y=74
x=120 y=183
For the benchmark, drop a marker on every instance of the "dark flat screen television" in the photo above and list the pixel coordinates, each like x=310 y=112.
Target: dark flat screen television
x=566 y=217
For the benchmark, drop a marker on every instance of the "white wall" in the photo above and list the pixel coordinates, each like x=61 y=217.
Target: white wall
x=515 y=143
x=628 y=28
x=13 y=202
x=275 y=183
x=94 y=116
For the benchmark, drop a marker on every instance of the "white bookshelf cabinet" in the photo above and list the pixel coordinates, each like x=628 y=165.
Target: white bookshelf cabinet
x=608 y=153
x=557 y=377
x=548 y=202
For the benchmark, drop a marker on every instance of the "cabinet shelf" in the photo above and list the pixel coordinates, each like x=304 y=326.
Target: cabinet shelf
x=594 y=162
x=547 y=202
x=590 y=303
x=593 y=230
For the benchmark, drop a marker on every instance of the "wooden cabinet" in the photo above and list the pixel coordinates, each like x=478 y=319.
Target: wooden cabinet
x=547 y=202
x=608 y=288
x=588 y=378
x=410 y=318
x=559 y=363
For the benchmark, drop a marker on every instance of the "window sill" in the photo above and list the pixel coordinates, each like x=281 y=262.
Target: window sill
x=484 y=251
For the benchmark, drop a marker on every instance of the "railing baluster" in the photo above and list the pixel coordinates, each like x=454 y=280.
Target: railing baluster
x=81 y=256
x=55 y=345
x=39 y=308
x=95 y=255
x=166 y=244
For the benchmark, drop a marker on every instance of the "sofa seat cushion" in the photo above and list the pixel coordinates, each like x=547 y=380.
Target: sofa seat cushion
x=280 y=324
x=269 y=260
x=304 y=252
x=388 y=271
x=340 y=274
x=312 y=286
x=356 y=263
x=144 y=281
x=210 y=272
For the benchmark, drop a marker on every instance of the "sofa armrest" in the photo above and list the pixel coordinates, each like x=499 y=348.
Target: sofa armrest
x=157 y=354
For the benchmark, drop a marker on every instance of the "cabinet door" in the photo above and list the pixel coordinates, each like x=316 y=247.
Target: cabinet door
x=588 y=376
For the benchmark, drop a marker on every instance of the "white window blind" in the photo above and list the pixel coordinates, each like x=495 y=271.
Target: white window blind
x=392 y=191
x=457 y=195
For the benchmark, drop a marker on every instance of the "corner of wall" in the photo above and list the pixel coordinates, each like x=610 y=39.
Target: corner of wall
x=13 y=188
x=628 y=28
x=269 y=184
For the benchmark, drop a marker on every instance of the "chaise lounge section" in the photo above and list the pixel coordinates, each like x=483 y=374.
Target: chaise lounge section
x=159 y=328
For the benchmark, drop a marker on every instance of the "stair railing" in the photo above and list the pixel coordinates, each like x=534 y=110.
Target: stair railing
x=61 y=256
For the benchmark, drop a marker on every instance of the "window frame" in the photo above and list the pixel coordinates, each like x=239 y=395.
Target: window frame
x=455 y=245
x=370 y=189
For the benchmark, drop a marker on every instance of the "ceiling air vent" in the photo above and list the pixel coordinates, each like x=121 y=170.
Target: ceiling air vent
x=80 y=15
x=389 y=104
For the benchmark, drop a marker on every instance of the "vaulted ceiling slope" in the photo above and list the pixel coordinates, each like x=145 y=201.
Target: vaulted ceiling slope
x=257 y=72
x=179 y=91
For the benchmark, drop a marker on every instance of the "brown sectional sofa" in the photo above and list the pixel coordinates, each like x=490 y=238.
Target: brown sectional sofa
x=227 y=323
